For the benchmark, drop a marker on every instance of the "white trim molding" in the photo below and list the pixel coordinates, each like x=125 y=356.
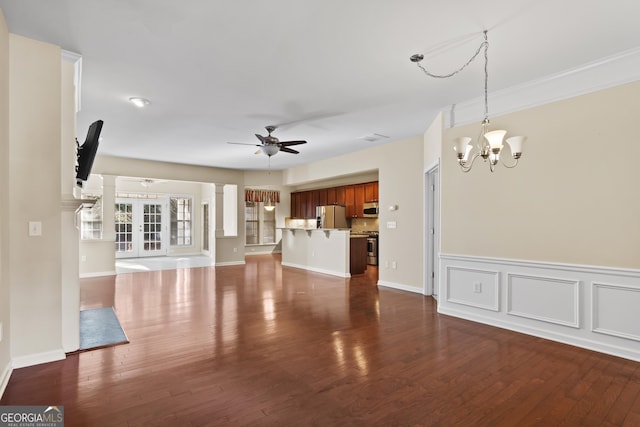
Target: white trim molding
x=615 y=310
x=400 y=287
x=592 y=307
x=38 y=358
x=544 y=298
x=614 y=70
x=4 y=378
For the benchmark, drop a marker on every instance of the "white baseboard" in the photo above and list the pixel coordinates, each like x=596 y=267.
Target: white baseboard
x=38 y=358
x=400 y=287
x=592 y=307
x=262 y=253
x=4 y=378
x=317 y=270
x=97 y=274
x=224 y=264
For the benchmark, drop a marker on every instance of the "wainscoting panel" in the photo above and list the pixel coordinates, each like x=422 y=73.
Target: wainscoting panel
x=476 y=288
x=543 y=298
x=587 y=306
x=616 y=310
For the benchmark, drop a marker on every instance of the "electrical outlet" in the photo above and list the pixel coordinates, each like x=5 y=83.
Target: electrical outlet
x=477 y=287
x=394 y=265
x=313 y=253
x=235 y=249
x=386 y=264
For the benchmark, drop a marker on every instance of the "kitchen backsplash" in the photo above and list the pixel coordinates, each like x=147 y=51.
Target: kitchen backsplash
x=364 y=224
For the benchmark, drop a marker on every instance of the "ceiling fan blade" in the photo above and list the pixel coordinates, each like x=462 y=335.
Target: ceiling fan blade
x=244 y=143
x=258 y=152
x=260 y=137
x=287 y=143
x=289 y=150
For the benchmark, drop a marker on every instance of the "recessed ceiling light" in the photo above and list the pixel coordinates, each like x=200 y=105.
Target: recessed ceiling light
x=139 y=102
x=373 y=137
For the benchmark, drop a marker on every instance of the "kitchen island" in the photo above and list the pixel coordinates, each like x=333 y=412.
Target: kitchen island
x=323 y=250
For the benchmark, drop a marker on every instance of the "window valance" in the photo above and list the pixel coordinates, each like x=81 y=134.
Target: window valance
x=255 y=195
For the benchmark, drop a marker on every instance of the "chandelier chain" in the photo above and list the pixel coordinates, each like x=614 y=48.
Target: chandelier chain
x=484 y=44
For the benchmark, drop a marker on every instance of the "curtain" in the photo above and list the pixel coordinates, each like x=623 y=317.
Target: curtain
x=255 y=195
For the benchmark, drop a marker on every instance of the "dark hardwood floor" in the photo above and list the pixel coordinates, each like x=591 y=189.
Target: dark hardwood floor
x=265 y=345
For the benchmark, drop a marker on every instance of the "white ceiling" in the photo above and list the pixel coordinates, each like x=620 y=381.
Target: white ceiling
x=329 y=72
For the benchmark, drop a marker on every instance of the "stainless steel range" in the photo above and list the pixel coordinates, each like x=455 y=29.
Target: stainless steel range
x=372 y=248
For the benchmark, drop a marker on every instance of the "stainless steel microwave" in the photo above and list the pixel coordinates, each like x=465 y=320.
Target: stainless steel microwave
x=370 y=210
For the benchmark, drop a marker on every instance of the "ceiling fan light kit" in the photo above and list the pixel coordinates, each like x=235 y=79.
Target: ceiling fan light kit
x=489 y=144
x=270 y=145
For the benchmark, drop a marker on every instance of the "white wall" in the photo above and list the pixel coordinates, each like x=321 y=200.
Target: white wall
x=5 y=318
x=34 y=189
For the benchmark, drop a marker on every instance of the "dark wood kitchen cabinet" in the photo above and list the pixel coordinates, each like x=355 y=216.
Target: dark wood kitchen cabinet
x=331 y=196
x=322 y=197
x=371 y=191
x=358 y=200
x=340 y=196
x=349 y=200
x=353 y=197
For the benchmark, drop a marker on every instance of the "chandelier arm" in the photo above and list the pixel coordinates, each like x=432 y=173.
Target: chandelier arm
x=469 y=164
x=484 y=44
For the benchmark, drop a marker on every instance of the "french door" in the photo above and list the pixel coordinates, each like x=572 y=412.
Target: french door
x=141 y=227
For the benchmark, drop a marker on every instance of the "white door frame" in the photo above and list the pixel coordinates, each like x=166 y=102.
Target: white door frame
x=432 y=230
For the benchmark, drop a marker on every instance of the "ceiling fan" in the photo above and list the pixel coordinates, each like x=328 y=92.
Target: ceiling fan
x=270 y=145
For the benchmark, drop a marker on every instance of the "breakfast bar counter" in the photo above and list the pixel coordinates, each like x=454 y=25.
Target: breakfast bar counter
x=323 y=250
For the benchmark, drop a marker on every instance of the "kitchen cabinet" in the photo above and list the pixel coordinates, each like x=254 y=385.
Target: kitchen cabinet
x=331 y=196
x=371 y=191
x=353 y=197
x=312 y=203
x=322 y=197
x=295 y=205
x=358 y=200
x=340 y=196
x=357 y=255
x=349 y=200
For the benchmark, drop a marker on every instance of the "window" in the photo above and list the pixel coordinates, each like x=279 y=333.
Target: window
x=260 y=224
x=181 y=223
x=91 y=221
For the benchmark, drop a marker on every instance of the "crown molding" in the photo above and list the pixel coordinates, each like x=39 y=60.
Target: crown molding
x=604 y=73
x=76 y=60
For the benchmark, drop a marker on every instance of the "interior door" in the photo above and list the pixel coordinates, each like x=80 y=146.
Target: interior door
x=141 y=228
x=433 y=231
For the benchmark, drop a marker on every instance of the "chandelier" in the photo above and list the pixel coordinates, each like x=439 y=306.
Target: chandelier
x=489 y=144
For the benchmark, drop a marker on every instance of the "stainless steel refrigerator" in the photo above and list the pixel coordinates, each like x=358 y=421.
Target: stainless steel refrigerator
x=332 y=216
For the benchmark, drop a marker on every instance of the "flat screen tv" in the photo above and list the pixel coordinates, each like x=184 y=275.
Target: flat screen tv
x=87 y=152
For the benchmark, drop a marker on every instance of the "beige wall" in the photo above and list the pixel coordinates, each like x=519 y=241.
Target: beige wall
x=400 y=166
x=34 y=189
x=573 y=198
x=5 y=351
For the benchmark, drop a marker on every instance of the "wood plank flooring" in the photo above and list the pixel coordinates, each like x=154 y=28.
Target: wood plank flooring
x=263 y=345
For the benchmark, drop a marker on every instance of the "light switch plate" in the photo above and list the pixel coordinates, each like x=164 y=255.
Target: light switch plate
x=35 y=228
x=391 y=224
